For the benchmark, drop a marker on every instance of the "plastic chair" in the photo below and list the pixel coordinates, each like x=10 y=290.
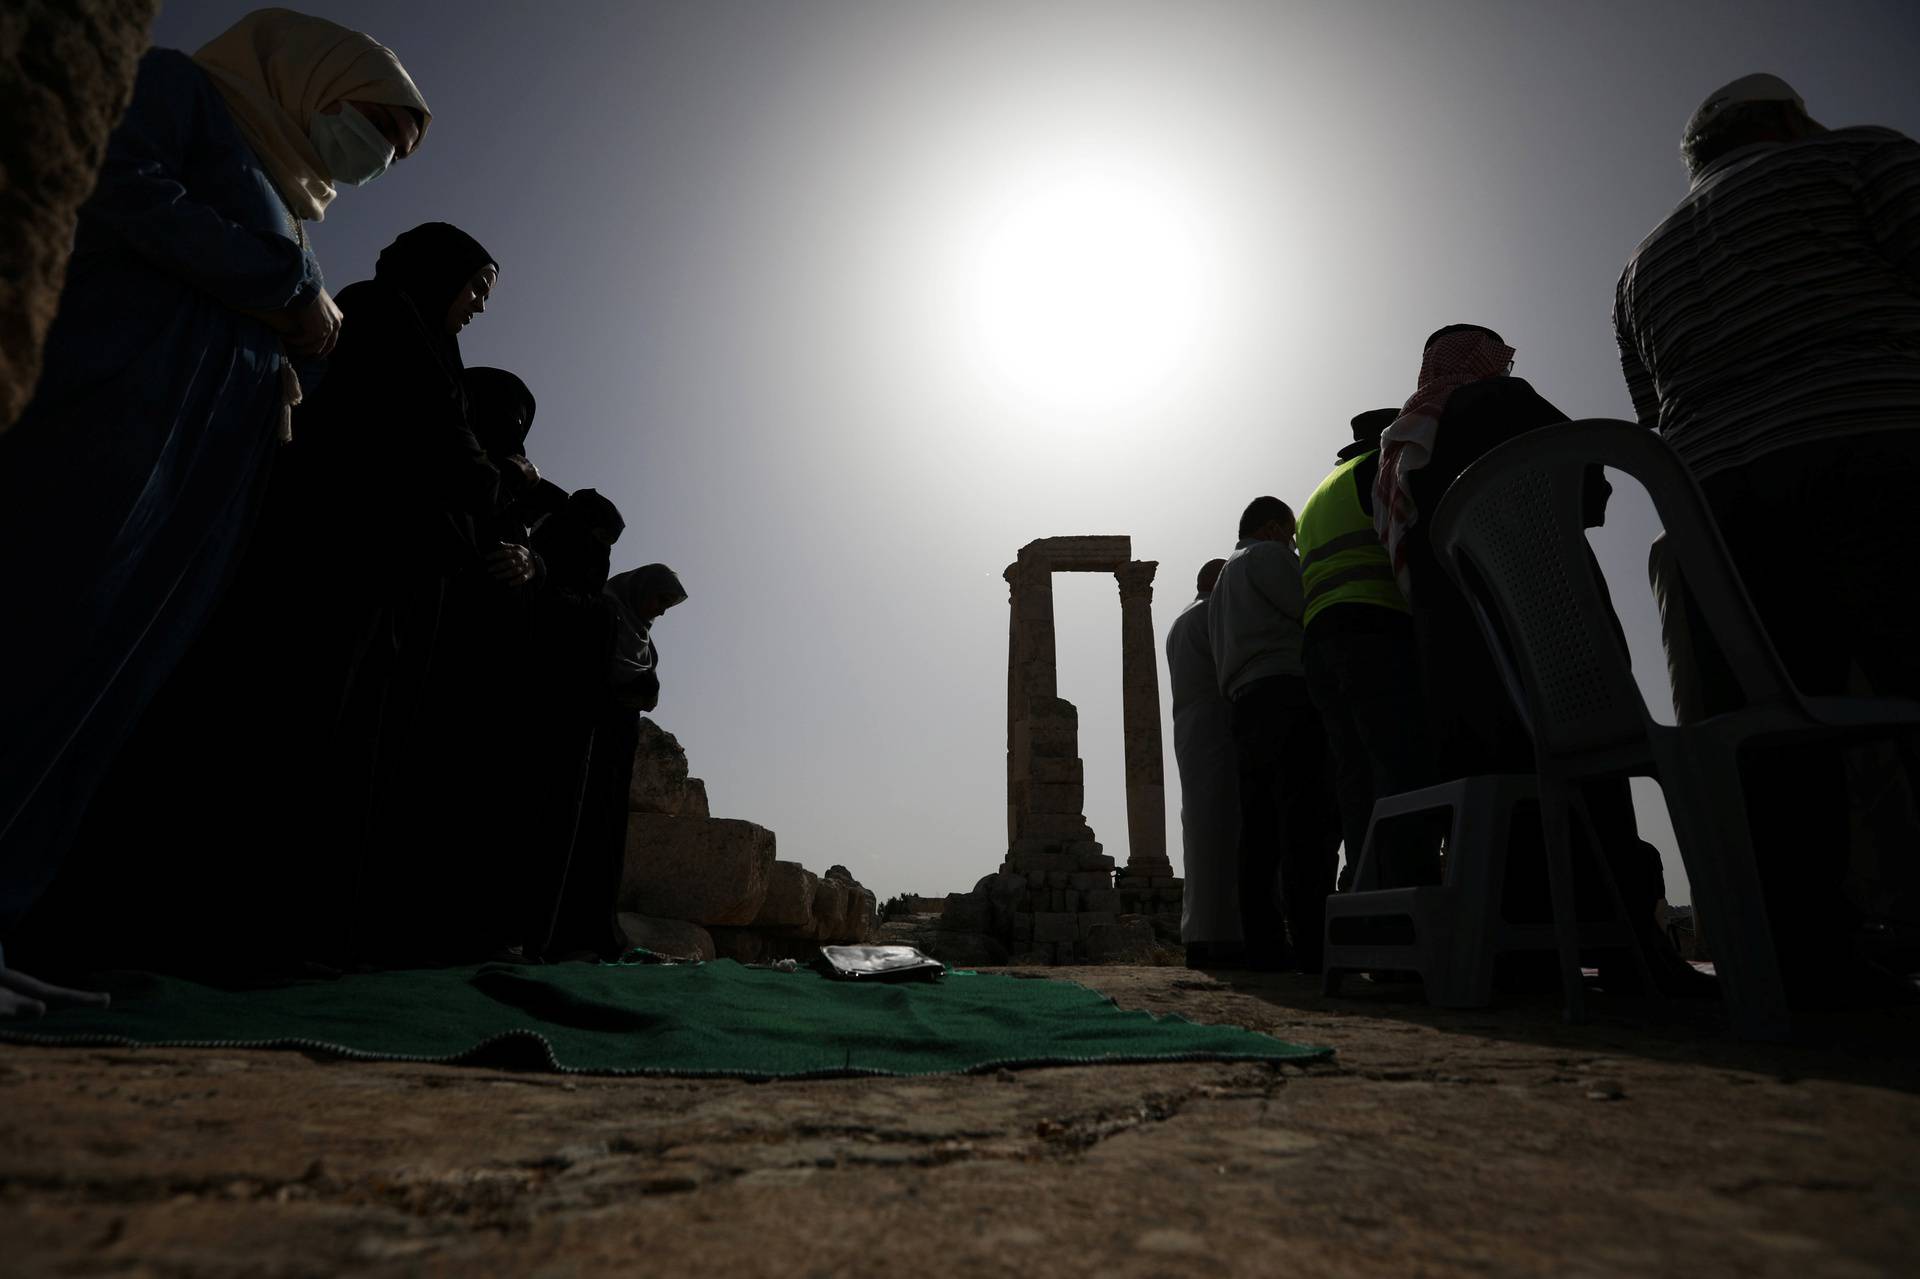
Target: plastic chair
x=1510 y=533
x=1449 y=932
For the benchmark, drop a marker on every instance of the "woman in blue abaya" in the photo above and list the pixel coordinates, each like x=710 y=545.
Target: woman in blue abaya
x=129 y=484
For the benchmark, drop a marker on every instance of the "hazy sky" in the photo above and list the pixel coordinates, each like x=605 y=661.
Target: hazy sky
x=844 y=302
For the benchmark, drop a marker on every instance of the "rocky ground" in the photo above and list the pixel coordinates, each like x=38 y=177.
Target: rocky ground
x=1434 y=1144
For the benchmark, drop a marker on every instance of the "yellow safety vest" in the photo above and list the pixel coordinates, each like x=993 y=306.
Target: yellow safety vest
x=1341 y=559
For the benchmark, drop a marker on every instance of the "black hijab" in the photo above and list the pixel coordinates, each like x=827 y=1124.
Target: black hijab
x=575 y=558
x=499 y=409
x=430 y=265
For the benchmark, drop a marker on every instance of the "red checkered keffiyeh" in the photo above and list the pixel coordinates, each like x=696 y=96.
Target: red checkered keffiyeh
x=1406 y=446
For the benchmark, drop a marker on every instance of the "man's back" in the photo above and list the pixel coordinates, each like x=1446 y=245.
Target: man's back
x=1190 y=666
x=1780 y=302
x=1253 y=615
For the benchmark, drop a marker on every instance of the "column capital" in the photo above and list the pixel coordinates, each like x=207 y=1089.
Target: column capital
x=1136 y=579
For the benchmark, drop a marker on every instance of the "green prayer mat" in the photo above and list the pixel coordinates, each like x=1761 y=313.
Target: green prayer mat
x=658 y=1019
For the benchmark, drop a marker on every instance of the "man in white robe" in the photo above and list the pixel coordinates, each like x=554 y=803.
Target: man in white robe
x=1209 y=787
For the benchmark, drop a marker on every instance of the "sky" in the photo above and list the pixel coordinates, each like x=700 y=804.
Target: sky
x=844 y=302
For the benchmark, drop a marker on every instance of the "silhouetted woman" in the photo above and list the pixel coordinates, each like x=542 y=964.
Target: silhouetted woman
x=373 y=515
x=586 y=919
x=562 y=695
x=129 y=484
x=482 y=799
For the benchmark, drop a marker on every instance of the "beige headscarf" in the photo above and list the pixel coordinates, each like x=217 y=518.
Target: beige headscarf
x=277 y=68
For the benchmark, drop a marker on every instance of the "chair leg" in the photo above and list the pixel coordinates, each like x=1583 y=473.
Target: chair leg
x=1481 y=823
x=1621 y=911
x=1555 y=832
x=1716 y=842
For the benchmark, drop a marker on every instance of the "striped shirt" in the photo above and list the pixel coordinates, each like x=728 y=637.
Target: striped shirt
x=1780 y=303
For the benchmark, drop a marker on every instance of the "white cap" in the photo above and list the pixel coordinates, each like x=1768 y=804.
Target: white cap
x=1748 y=88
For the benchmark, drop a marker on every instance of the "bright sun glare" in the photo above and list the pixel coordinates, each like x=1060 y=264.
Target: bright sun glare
x=1087 y=286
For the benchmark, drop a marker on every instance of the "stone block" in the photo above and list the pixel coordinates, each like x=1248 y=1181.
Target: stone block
x=1057 y=799
x=660 y=783
x=863 y=917
x=966 y=950
x=1053 y=926
x=830 y=910
x=1053 y=743
x=1023 y=926
x=1103 y=553
x=1087 y=856
x=1045 y=711
x=789 y=902
x=1041 y=864
x=1085 y=921
x=743 y=945
x=710 y=870
x=675 y=938
x=66 y=74
x=1128 y=940
x=1004 y=893
x=1064 y=827
x=1058 y=772
x=1101 y=901
x=1059 y=879
x=966 y=913
x=1088 y=880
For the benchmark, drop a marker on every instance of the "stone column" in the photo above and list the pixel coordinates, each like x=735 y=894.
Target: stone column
x=1032 y=682
x=1140 y=706
x=1039 y=673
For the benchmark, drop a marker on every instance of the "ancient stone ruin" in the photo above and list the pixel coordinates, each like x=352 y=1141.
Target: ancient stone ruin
x=67 y=66
x=1055 y=898
x=702 y=887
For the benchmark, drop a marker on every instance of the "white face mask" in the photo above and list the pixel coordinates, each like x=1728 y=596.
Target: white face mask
x=352 y=149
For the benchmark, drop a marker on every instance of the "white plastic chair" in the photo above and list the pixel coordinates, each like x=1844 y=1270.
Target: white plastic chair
x=1510 y=533
x=1449 y=932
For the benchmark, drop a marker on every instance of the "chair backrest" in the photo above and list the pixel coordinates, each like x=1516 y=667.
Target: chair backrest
x=1510 y=532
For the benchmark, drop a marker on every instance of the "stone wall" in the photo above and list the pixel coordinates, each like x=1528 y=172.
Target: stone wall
x=700 y=886
x=66 y=74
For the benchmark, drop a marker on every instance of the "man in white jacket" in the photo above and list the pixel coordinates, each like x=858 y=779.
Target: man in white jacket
x=1209 y=787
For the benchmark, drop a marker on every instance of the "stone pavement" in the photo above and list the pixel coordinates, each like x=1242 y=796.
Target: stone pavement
x=1497 y=1143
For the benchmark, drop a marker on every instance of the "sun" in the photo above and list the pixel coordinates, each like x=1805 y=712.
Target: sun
x=1086 y=284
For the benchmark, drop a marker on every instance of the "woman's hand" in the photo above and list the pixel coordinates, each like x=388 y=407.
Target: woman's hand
x=529 y=473
x=311 y=329
x=24 y=996
x=510 y=565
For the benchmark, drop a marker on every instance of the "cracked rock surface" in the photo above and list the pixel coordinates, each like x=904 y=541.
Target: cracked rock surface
x=1435 y=1143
